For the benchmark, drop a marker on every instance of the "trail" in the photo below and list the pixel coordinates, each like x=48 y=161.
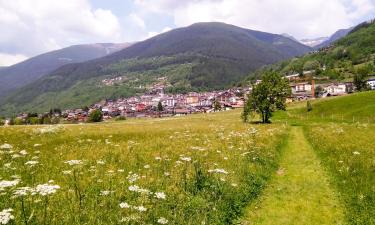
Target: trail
x=299 y=193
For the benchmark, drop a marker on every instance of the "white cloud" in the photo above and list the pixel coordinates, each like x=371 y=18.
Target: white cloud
x=8 y=60
x=301 y=18
x=36 y=26
x=136 y=20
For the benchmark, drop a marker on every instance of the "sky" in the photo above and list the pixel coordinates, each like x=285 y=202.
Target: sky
x=32 y=27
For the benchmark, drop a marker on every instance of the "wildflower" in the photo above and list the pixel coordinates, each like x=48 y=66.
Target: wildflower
x=15 y=156
x=167 y=174
x=67 y=172
x=160 y=195
x=147 y=166
x=105 y=193
x=6 y=146
x=140 y=208
x=162 y=220
x=74 y=162
x=8 y=183
x=218 y=171
x=186 y=159
x=132 y=178
x=23 y=152
x=23 y=191
x=157 y=158
x=101 y=162
x=234 y=184
x=37 y=145
x=6 y=216
x=46 y=189
x=136 y=188
x=124 y=205
x=31 y=163
x=356 y=153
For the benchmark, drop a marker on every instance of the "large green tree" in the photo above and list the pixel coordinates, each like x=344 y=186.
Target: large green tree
x=267 y=96
x=359 y=78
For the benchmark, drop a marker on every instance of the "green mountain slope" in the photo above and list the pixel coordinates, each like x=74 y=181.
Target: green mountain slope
x=201 y=56
x=23 y=73
x=340 y=61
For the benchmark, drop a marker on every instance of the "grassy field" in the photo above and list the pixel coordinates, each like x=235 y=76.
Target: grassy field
x=312 y=167
x=346 y=147
x=201 y=169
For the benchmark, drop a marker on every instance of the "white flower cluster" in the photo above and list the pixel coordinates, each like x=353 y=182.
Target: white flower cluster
x=49 y=129
x=136 y=188
x=31 y=163
x=74 y=162
x=160 y=195
x=162 y=220
x=222 y=171
x=125 y=205
x=186 y=159
x=8 y=183
x=6 y=146
x=132 y=177
x=6 y=216
x=46 y=189
x=23 y=191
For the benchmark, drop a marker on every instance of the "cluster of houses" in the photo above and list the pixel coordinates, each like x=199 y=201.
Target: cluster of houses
x=160 y=104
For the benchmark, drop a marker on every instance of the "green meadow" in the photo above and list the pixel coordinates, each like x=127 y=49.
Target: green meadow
x=312 y=167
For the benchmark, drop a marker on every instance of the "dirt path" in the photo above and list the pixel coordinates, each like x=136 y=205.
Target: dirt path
x=299 y=192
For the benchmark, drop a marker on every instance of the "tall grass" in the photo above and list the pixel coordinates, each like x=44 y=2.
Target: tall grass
x=200 y=169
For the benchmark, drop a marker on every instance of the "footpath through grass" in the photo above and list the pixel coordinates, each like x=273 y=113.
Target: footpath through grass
x=299 y=192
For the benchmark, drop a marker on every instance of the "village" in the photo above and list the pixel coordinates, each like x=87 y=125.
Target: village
x=157 y=103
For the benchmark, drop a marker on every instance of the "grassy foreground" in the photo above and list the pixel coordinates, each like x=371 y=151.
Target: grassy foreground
x=201 y=169
x=299 y=192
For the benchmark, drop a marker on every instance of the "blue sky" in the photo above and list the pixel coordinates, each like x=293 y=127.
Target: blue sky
x=31 y=27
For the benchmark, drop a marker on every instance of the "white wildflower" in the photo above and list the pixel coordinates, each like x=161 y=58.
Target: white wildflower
x=23 y=191
x=218 y=171
x=132 y=178
x=157 y=158
x=186 y=159
x=160 y=195
x=147 y=166
x=162 y=220
x=140 y=208
x=23 y=152
x=105 y=193
x=31 y=163
x=37 y=145
x=6 y=216
x=67 y=172
x=137 y=189
x=101 y=162
x=46 y=189
x=124 y=205
x=8 y=183
x=74 y=162
x=6 y=146
x=356 y=153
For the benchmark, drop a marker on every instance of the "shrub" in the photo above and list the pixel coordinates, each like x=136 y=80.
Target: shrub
x=96 y=116
x=309 y=106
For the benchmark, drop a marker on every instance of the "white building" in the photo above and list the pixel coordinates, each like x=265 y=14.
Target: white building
x=371 y=82
x=335 y=89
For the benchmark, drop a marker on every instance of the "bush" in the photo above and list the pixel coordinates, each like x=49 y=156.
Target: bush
x=309 y=106
x=18 y=121
x=2 y=122
x=96 y=116
x=119 y=118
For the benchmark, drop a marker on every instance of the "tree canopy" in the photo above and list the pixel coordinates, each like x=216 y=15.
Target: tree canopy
x=267 y=96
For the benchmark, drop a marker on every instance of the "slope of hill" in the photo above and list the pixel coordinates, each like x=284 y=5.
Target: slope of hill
x=340 y=61
x=334 y=37
x=32 y=69
x=201 y=56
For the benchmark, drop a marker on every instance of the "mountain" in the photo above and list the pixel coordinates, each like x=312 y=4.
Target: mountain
x=339 y=62
x=313 y=41
x=334 y=37
x=290 y=37
x=199 y=57
x=23 y=73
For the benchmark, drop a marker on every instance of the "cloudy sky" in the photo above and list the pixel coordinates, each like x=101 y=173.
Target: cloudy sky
x=32 y=27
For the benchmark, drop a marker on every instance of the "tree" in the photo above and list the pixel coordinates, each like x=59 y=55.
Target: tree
x=96 y=116
x=319 y=91
x=160 y=107
x=359 y=79
x=217 y=105
x=267 y=96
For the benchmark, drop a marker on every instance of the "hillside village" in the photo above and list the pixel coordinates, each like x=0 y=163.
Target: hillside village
x=157 y=103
